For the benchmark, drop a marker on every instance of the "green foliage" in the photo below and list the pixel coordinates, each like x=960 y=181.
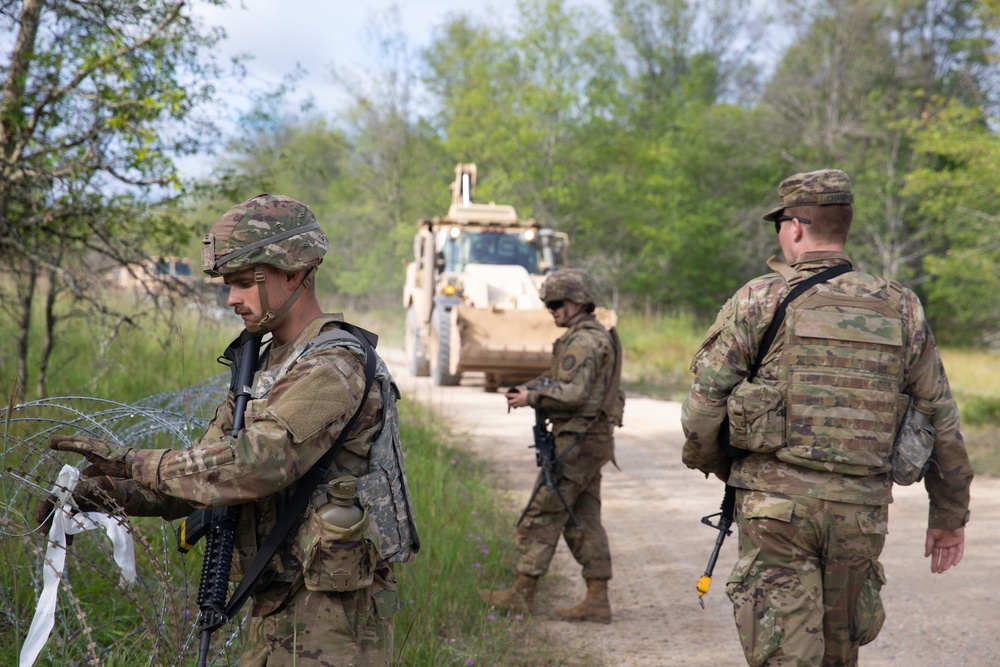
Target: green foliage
x=99 y=101
x=466 y=542
x=981 y=410
x=652 y=136
x=957 y=186
x=128 y=358
x=649 y=133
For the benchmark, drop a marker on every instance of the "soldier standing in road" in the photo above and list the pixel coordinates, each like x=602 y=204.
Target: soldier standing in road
x=581 y=397
x=328 y=596
x=815 y=429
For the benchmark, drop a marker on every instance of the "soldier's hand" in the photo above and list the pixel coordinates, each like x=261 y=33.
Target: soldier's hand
x=517 y=397
x=945 y=547
x=91 y=494
x=106 y=458
x=43 y=512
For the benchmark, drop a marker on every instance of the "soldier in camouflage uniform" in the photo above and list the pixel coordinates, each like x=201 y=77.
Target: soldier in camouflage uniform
x=267 y=249
x=581 y=397
x=818 y=423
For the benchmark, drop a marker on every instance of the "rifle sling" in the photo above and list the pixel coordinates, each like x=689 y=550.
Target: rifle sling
x=303 y=491
x=779 y=313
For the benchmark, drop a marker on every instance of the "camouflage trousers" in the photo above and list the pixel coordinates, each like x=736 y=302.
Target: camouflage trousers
x=805 y=590
x=578 y=478
x=326 y=629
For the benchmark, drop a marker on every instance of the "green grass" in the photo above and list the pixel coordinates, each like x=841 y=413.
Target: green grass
x=466 y=536
x=974 y=376
x=658 y=352
x=464 y=525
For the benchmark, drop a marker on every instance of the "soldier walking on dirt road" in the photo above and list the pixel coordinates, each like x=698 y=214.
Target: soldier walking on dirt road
x=581 y=398
x=816 y=434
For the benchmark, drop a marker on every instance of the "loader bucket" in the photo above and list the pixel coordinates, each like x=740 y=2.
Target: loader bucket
x=509 y=346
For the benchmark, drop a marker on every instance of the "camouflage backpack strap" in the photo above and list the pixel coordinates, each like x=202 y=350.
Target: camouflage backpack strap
x=778 y=265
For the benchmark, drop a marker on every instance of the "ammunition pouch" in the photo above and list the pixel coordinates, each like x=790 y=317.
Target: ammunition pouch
x=756 y=418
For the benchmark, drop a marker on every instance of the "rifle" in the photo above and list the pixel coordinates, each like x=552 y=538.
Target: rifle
x=545 y=458
x=218 y=524
x=727 y=514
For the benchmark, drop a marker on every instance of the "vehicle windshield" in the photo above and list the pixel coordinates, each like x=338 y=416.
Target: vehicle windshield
x=489 y=248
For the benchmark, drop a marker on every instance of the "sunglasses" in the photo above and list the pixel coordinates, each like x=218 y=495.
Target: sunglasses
x=555 y=305
x=781 y=219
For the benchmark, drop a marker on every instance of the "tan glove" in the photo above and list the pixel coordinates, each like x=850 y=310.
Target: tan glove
x=104 y=494
x=106 y=458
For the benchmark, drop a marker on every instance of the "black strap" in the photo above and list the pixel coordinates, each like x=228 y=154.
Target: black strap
x=303 y=491
x=779 y=314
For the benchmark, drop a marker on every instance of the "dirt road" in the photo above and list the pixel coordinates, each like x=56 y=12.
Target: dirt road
x=652 y=509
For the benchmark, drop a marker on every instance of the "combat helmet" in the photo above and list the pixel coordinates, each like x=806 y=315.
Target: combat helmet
x=267 y=229
x=572 y=285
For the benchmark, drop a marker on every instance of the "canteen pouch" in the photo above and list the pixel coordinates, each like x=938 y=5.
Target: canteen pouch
x=914 y=444
x=337 y=559
x=756 y=418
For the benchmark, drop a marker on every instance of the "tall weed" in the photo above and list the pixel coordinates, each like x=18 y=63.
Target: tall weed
x=465 y=530
x=658 y=351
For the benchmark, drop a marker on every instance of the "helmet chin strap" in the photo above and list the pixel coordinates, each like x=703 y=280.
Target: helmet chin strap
x=269 y=321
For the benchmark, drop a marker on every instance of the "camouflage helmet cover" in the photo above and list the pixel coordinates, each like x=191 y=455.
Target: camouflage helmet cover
x=815 y=188
x=570 y=284
x=266 y=229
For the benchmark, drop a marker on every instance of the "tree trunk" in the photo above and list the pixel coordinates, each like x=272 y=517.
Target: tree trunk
x=26 y=295
x=50 y=332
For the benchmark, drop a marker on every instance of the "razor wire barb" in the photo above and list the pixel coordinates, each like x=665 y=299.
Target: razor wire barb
x=154 y=619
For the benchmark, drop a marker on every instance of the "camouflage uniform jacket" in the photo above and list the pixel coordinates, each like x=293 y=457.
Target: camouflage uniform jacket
x=285 y=434
x=728 y=351
x=573 y=391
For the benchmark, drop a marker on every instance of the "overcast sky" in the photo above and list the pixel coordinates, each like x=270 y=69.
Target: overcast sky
x=315 y=34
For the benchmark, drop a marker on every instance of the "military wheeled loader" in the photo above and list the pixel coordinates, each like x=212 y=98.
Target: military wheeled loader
x=471 y=293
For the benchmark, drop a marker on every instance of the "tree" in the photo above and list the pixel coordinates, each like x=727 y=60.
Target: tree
x=523 y=106
x=98 y=99
x=958 y=190
x=396 y=165
x=697 y=158
x=844 y=91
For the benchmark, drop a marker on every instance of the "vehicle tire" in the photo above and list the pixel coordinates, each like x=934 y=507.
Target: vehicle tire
x=441 y=350
x=419 y=365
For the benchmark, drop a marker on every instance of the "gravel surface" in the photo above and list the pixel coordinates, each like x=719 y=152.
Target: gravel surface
x=652 y=508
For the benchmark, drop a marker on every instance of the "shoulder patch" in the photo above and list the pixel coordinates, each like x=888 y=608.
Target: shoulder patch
x=568 y=362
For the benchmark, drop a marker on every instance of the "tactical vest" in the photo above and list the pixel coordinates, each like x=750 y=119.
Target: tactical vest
x=612 y=404
x=384 y=491
x=842 y=365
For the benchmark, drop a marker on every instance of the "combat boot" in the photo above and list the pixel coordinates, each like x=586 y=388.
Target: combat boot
x=519 y=597
x=595 y=608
